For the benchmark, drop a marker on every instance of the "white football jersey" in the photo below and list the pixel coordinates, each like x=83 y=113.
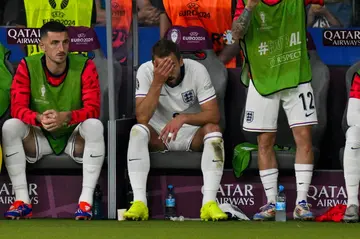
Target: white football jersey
x=195 y=89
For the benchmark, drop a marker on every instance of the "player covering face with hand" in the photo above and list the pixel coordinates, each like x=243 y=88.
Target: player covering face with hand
x=278 y=70
x=55 y=100
x=176 y=110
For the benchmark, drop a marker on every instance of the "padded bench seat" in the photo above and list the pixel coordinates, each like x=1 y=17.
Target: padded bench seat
x=285 y=159
x=52 y=161
x=175 y=160
x=192 y=160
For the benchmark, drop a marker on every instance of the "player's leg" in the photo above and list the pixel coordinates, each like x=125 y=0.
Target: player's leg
x=209 y=139
x=142 y=137
x=261 y=117
x=352 y=161
x=87 y=146
x=300 y=109
x=21 y=143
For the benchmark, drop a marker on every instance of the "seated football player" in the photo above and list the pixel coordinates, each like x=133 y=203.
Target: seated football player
x=166 y=88
x=352 y=152
x=55 y=103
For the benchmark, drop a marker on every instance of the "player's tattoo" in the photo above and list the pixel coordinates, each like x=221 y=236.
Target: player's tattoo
x=241 y=25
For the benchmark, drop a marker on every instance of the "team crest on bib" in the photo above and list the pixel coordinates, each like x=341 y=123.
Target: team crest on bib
x=43 y=91
x=249 y=116
x=188 y=96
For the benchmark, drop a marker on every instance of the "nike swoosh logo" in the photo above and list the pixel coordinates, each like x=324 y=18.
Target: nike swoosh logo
x=9 y=155
x=301 y=183
x=163 y=95
x=355 y=147
x=134 y=159
x=268 y=188
x=307 y=115
x=216 y=160
x=95 y=156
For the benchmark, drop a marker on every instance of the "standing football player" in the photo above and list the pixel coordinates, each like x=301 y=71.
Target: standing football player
x=278 y=70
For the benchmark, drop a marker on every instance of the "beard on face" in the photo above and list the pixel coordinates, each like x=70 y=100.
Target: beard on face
x=172 y=81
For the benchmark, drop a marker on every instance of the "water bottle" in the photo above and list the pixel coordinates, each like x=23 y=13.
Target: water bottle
x=170 y=203
x=97 y=205
x=280 y=206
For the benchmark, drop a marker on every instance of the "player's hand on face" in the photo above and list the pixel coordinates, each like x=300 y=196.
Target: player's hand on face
x=170 y=131
x=162 y=69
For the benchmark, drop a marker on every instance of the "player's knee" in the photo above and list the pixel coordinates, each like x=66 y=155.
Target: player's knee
x=211 y=128
x=303 y=138
x=92 y=130
x=13 y=129
x=353 y=135
x=266 y=142
x=139 y=132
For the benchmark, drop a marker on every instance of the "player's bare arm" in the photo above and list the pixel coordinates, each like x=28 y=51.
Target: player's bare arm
x=209 y=114
x=145 y=107
x=165 y=24
x=229 y=52
x=241 y=25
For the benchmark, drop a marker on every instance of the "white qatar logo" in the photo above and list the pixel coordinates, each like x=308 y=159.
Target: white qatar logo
x=235 y=194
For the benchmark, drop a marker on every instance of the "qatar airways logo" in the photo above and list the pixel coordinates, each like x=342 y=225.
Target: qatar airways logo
x=327 y=196
x=350 y=38
x=235 y=194
x=7 y=194
x=23 y=36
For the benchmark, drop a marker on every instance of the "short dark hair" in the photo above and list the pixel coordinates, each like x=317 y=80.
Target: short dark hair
x=164 y=48
x=52 y=26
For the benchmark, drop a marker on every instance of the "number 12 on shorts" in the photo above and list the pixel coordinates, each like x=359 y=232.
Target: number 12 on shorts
x=307 y=100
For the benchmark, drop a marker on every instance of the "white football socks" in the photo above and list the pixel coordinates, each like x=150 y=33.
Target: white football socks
x=139 y=161
x=212 y=165
x=92 y=131
x=13 y=132
x=352 y=164
x=303 y=173
x=269 y=179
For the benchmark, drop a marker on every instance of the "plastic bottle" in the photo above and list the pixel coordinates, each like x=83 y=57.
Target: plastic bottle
x=280 y=206
x=170 y=203
x=97 y=205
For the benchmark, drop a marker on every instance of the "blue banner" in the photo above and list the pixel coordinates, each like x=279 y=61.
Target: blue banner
x=330 y=55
